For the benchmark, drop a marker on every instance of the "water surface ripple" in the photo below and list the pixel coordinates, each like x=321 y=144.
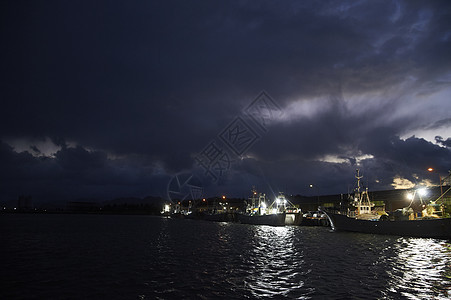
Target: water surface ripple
x=144 y=257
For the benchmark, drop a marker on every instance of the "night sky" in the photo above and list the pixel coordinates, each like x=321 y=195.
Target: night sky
x=105 y=99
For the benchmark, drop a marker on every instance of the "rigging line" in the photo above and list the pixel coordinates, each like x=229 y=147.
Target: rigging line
x=441 y=196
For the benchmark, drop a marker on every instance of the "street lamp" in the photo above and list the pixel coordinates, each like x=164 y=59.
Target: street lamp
x=421 y=192
x=317 y=192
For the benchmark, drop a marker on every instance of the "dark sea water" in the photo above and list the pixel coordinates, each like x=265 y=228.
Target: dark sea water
x=145 y=257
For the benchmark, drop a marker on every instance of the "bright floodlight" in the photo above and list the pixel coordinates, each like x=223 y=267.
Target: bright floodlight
x=410 y=196
x=263 y=205
x=430 y=169
x=422 y=192
x=278 y=201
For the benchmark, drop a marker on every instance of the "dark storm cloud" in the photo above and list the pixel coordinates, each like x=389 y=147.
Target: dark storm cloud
x=75 y=173
x=302 y=146
x=122 y=87
x=440 y=123
x=446 y=143
x=35 y=149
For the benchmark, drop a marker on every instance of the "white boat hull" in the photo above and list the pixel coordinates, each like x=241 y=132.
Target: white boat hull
x=280 y=219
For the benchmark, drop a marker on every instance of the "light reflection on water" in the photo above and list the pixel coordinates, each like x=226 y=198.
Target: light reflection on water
x=421 y=268
x=277 y=265
x=140 y=257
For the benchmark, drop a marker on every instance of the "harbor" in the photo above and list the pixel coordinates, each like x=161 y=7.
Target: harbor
x=421 y=212
x=225 y=150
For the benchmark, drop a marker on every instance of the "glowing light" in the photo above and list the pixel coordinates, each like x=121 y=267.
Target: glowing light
x=422 y=192
x=430 y=169
x=410 y=196
x=263 y=204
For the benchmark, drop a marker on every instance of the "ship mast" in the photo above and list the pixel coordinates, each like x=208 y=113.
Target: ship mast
x=358 y=177
x=361 y=200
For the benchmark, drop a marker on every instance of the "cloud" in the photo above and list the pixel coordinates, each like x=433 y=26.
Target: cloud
x=446 y=143
x=111 y=93
x=402 y=183
x=75 y=173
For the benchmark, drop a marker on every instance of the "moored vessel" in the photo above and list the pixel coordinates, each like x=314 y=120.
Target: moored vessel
x=315 y=218
x=431 y=222
x=280 y=212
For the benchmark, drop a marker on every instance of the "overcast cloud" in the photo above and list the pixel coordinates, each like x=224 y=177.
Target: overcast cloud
x=113 y=98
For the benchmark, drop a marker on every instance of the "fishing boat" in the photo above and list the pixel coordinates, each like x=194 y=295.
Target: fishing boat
x=280 y=212
x=315 y=218
x=431 y=222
